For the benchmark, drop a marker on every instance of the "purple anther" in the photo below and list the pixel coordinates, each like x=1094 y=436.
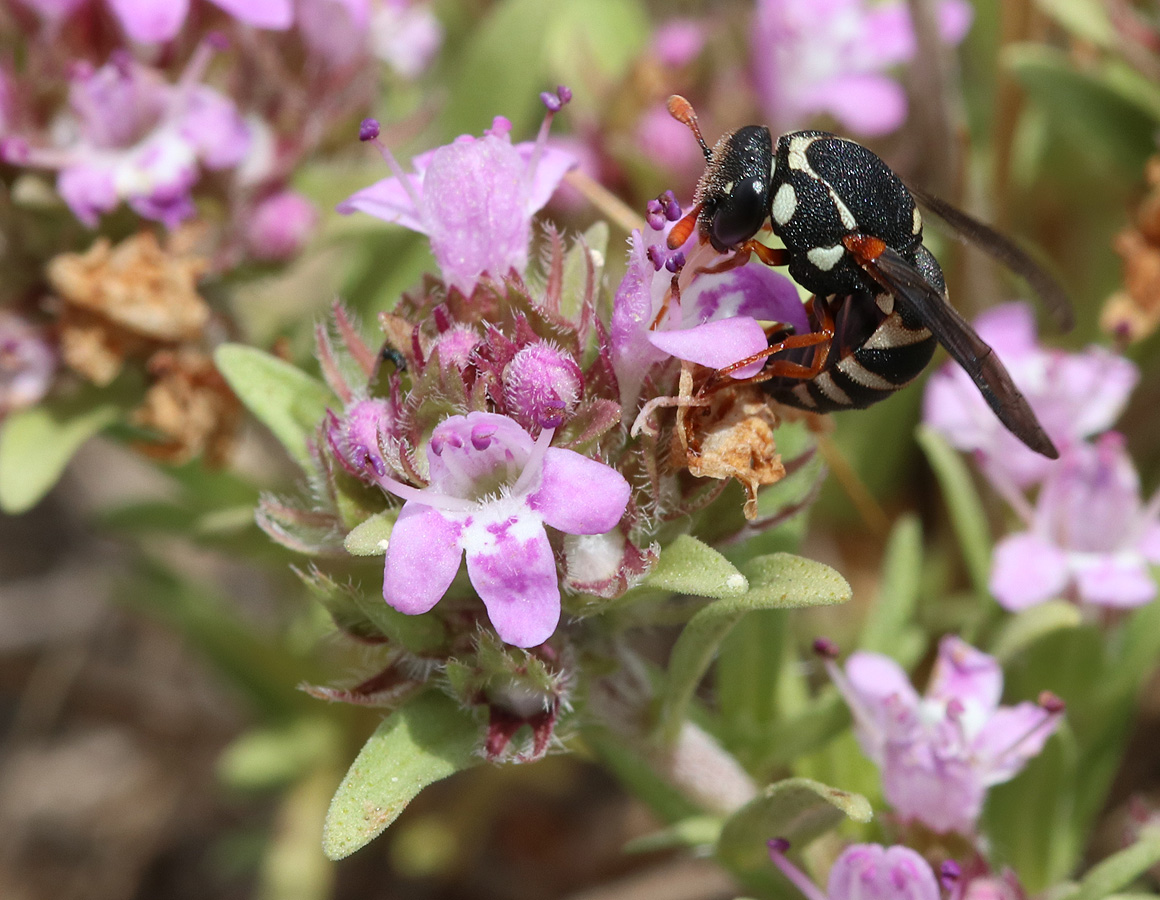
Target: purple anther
x=551 y=101
x=655 y=215
x=777 y=845
x=368 y=130
x=218 y=40
x=675 y=262
x=1051 y=703
x=949 y=874
x=825 y=648
x=656 y=256
x=564 y=93
x=671 y=206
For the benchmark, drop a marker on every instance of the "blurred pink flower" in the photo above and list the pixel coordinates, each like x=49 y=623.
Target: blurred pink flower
x=474 y=199
x=864 y=872
x=280 y=226
x=492 y=490
x=405 y=35
x=27 y=363
x=157 y=21
x=1074 y=395
x=678 y=42
x=828 y=56
x=1089 y=533
x=133 y=137
x=938 y=754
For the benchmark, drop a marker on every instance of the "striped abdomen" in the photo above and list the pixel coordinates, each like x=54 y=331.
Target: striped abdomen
x=858 y=372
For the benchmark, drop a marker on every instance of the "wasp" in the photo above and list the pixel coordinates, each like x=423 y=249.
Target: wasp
x=853 y=237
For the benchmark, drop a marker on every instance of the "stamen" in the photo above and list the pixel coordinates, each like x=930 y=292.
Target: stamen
x=829 y=651
x=425 y=497
x=198 y=63
x=949 y=874
x=535 y=463
x=777 y=848
x=368 y=130
x=554 y=104
x=1053 y=709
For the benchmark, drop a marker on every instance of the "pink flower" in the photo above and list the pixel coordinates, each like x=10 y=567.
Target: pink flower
x=938 y=754
x=678 y=42
x=135 y=138
x=474 y=198
x=715 y=321
x=157 y=21
x=492 y=490
x=828 y=56
x=865 y=872
x=27 y=363
x=1074 y=395
x=280 y=226
x=1089 y=534
x=405 y=35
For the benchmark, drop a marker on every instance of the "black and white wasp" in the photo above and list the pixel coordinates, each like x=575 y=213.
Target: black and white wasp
x=853 y=236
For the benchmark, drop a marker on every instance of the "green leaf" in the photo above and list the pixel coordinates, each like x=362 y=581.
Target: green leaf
x=265 y=758
x=426 y=741
x=797 y=809
x=370 y=538
x=891 y=616
x=687 y=566
x=1026 y=627
x=1094 y=111
x=37 y=443
x=1086 y=19
x=695 y=831
x=966 y=509
x=777 y=581
x=1119 y=870
x=281 y=396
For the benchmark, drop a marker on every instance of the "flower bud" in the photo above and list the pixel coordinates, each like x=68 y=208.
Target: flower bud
x=542 y=385
x=27 y=363
x=280 y=226
x=356 y=438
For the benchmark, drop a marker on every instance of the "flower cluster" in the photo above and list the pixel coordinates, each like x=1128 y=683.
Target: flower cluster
x=1088 y=535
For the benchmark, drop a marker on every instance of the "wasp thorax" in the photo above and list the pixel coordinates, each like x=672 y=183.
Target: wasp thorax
x=734 y=188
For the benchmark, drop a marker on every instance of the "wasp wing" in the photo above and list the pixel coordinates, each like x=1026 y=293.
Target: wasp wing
x=1006 y=251
x=919 y=299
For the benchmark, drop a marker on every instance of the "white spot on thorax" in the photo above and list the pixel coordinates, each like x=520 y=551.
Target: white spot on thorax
x=917 y=221
x=728 y=187
x=784 y=204
x=797 y=155
x=825 y=258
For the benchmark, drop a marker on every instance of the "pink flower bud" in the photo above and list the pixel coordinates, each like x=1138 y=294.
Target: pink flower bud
x=542 y=385
x=281 y=225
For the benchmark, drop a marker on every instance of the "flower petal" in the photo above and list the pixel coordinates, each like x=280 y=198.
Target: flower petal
x=754 y=290
x=1120 y=580
x=517 y=583
x=151 y=21
x=716 y=344
x=422 y=559
x=963 y=673
x=578 y=495
x=555 y=162
x=1027 y=570
x=388 y=200
x=273 y=14
x=873 y=872
x=1011 y=737
x=944 y=794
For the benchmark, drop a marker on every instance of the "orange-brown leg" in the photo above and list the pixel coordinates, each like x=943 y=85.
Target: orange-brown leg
x=769 y=255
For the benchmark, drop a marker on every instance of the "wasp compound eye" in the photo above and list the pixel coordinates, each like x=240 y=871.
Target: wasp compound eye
x=740 y=214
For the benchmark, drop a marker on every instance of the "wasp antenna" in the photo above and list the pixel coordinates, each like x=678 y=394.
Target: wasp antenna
x=684 y=228
x=682 y=110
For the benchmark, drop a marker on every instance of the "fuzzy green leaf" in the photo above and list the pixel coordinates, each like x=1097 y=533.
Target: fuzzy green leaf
x=797 y=809
x=688 y=566
x=966 y=509
x=370 y=538
x=1086 y=19
x=281 y=396
x=37 y=443
x=777 y=581
x=1119 y=870
x=426 y=741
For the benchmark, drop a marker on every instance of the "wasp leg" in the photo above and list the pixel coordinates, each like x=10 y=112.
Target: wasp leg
x=771 y=256
x=820 y=339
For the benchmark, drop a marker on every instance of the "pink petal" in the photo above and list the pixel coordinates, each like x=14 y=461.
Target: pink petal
x=151 y=21
x=275 y=14
x=1120 y=580
x=517 y=583
x=578 y=495
x=754 y=290
x=1011 y=737
x=877 y=678
x=963 y=673
x=555 y=162
x=389 y=201
x=89 y=191
x=944 y=794
x=1010 y=330
x=1027 y=570
x=422 y=559
x=716 y=344
x=883 y=699
x=632 y=313
x=868 y=104
x=213 y=125
x=873 y=872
